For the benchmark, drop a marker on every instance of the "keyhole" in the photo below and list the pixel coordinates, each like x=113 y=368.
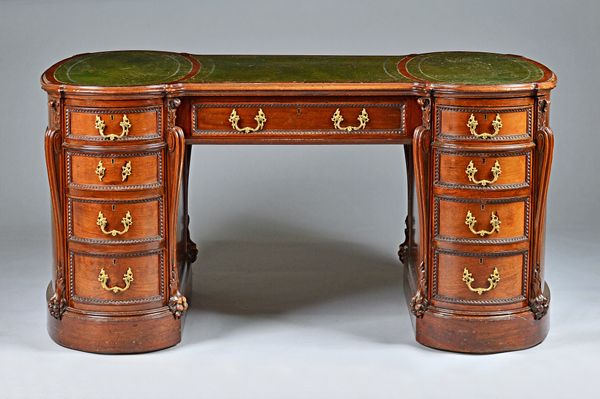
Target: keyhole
x=112 y=117
x=298 y=111
x=114 y=261
x=483 y=160
x=481 y=261
x=114 y=207
x=485 y=116
x=112 y=161
x=483 y=207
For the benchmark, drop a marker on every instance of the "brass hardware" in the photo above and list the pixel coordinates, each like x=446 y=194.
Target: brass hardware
x=496 y=124
x=100 y=170
x=493 y=280
x=101 y=126
x=125 y=170
x=472 y=170
x=260 y=119
x=471 y=221
x=126 y=222
x=127 y=278
x=337 y=119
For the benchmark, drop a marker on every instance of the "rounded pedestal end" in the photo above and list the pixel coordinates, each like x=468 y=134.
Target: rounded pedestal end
x=481 y=334
x=115 y=334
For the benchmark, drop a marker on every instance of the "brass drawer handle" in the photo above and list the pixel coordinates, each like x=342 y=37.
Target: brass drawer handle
x=125 y=170
x=101 y=126
x=492 y=280
x=126 y=222
x=337 y=119
x=260 y=119
x=472 y=170
x=471 y=222
x=127 y=278
x=496 y=124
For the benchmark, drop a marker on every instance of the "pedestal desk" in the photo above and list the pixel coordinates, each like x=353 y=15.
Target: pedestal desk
x=478 y=152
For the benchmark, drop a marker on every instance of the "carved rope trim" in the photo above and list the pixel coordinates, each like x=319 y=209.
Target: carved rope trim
x=71 y=236
x=197 y=131
x=156 y=109
x=97 y=301
x=450 y=108
x=499 y=301
x=115 y=187
x=436 y=217
x=493 y=187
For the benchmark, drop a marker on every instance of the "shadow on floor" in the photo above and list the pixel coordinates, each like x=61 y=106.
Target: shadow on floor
x=331 y=286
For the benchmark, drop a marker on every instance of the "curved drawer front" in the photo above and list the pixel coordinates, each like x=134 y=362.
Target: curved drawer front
x=279 y=118
x=485 y=121
x=116 y=279
x=113 y=124
x=115 y=222
x=482 y=170
x=486 y=221
x=480 y=279
x=114 y=171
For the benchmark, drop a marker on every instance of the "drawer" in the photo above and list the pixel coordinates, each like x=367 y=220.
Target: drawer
x=113 y=124
x=114 y=171
x=302 y=118
x=482 y=170
x=115 y=222
x=480 y=279
x=481 y=221
x=484 y=121
x=116 y=279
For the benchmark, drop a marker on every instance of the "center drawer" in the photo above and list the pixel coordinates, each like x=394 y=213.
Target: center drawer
x=299 y=118
x=115 y=222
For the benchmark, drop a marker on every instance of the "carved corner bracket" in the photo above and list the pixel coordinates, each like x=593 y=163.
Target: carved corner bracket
x=178 y=305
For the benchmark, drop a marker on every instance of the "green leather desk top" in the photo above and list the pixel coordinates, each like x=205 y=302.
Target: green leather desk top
x=141 y=68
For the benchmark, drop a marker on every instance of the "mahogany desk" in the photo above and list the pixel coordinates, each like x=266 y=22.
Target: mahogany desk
x=478 y=153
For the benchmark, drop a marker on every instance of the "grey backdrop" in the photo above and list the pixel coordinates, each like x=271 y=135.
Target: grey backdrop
x=297 y=289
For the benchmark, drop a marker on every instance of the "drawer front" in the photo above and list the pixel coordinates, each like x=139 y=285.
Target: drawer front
x=482 y=170
x=481 y=221
x=114 y=124
x=344 y=118
x=114 y=171
x=485 y=123
x=480 y=279
x=115 y=222
x=111 y=279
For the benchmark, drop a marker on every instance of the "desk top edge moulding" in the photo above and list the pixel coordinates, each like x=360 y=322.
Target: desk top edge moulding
x=478 y=153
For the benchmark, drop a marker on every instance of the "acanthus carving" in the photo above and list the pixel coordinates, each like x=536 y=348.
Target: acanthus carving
x=172 y=104
x=58 y=303
x=54 y=113
x=419 y=304
x=425 y=103
x=178 y=305
x=543 y=107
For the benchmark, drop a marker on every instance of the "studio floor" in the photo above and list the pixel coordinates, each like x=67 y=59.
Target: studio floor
x=299 y=320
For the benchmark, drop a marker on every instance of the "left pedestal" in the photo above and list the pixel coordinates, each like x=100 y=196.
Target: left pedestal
x=114 y=167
